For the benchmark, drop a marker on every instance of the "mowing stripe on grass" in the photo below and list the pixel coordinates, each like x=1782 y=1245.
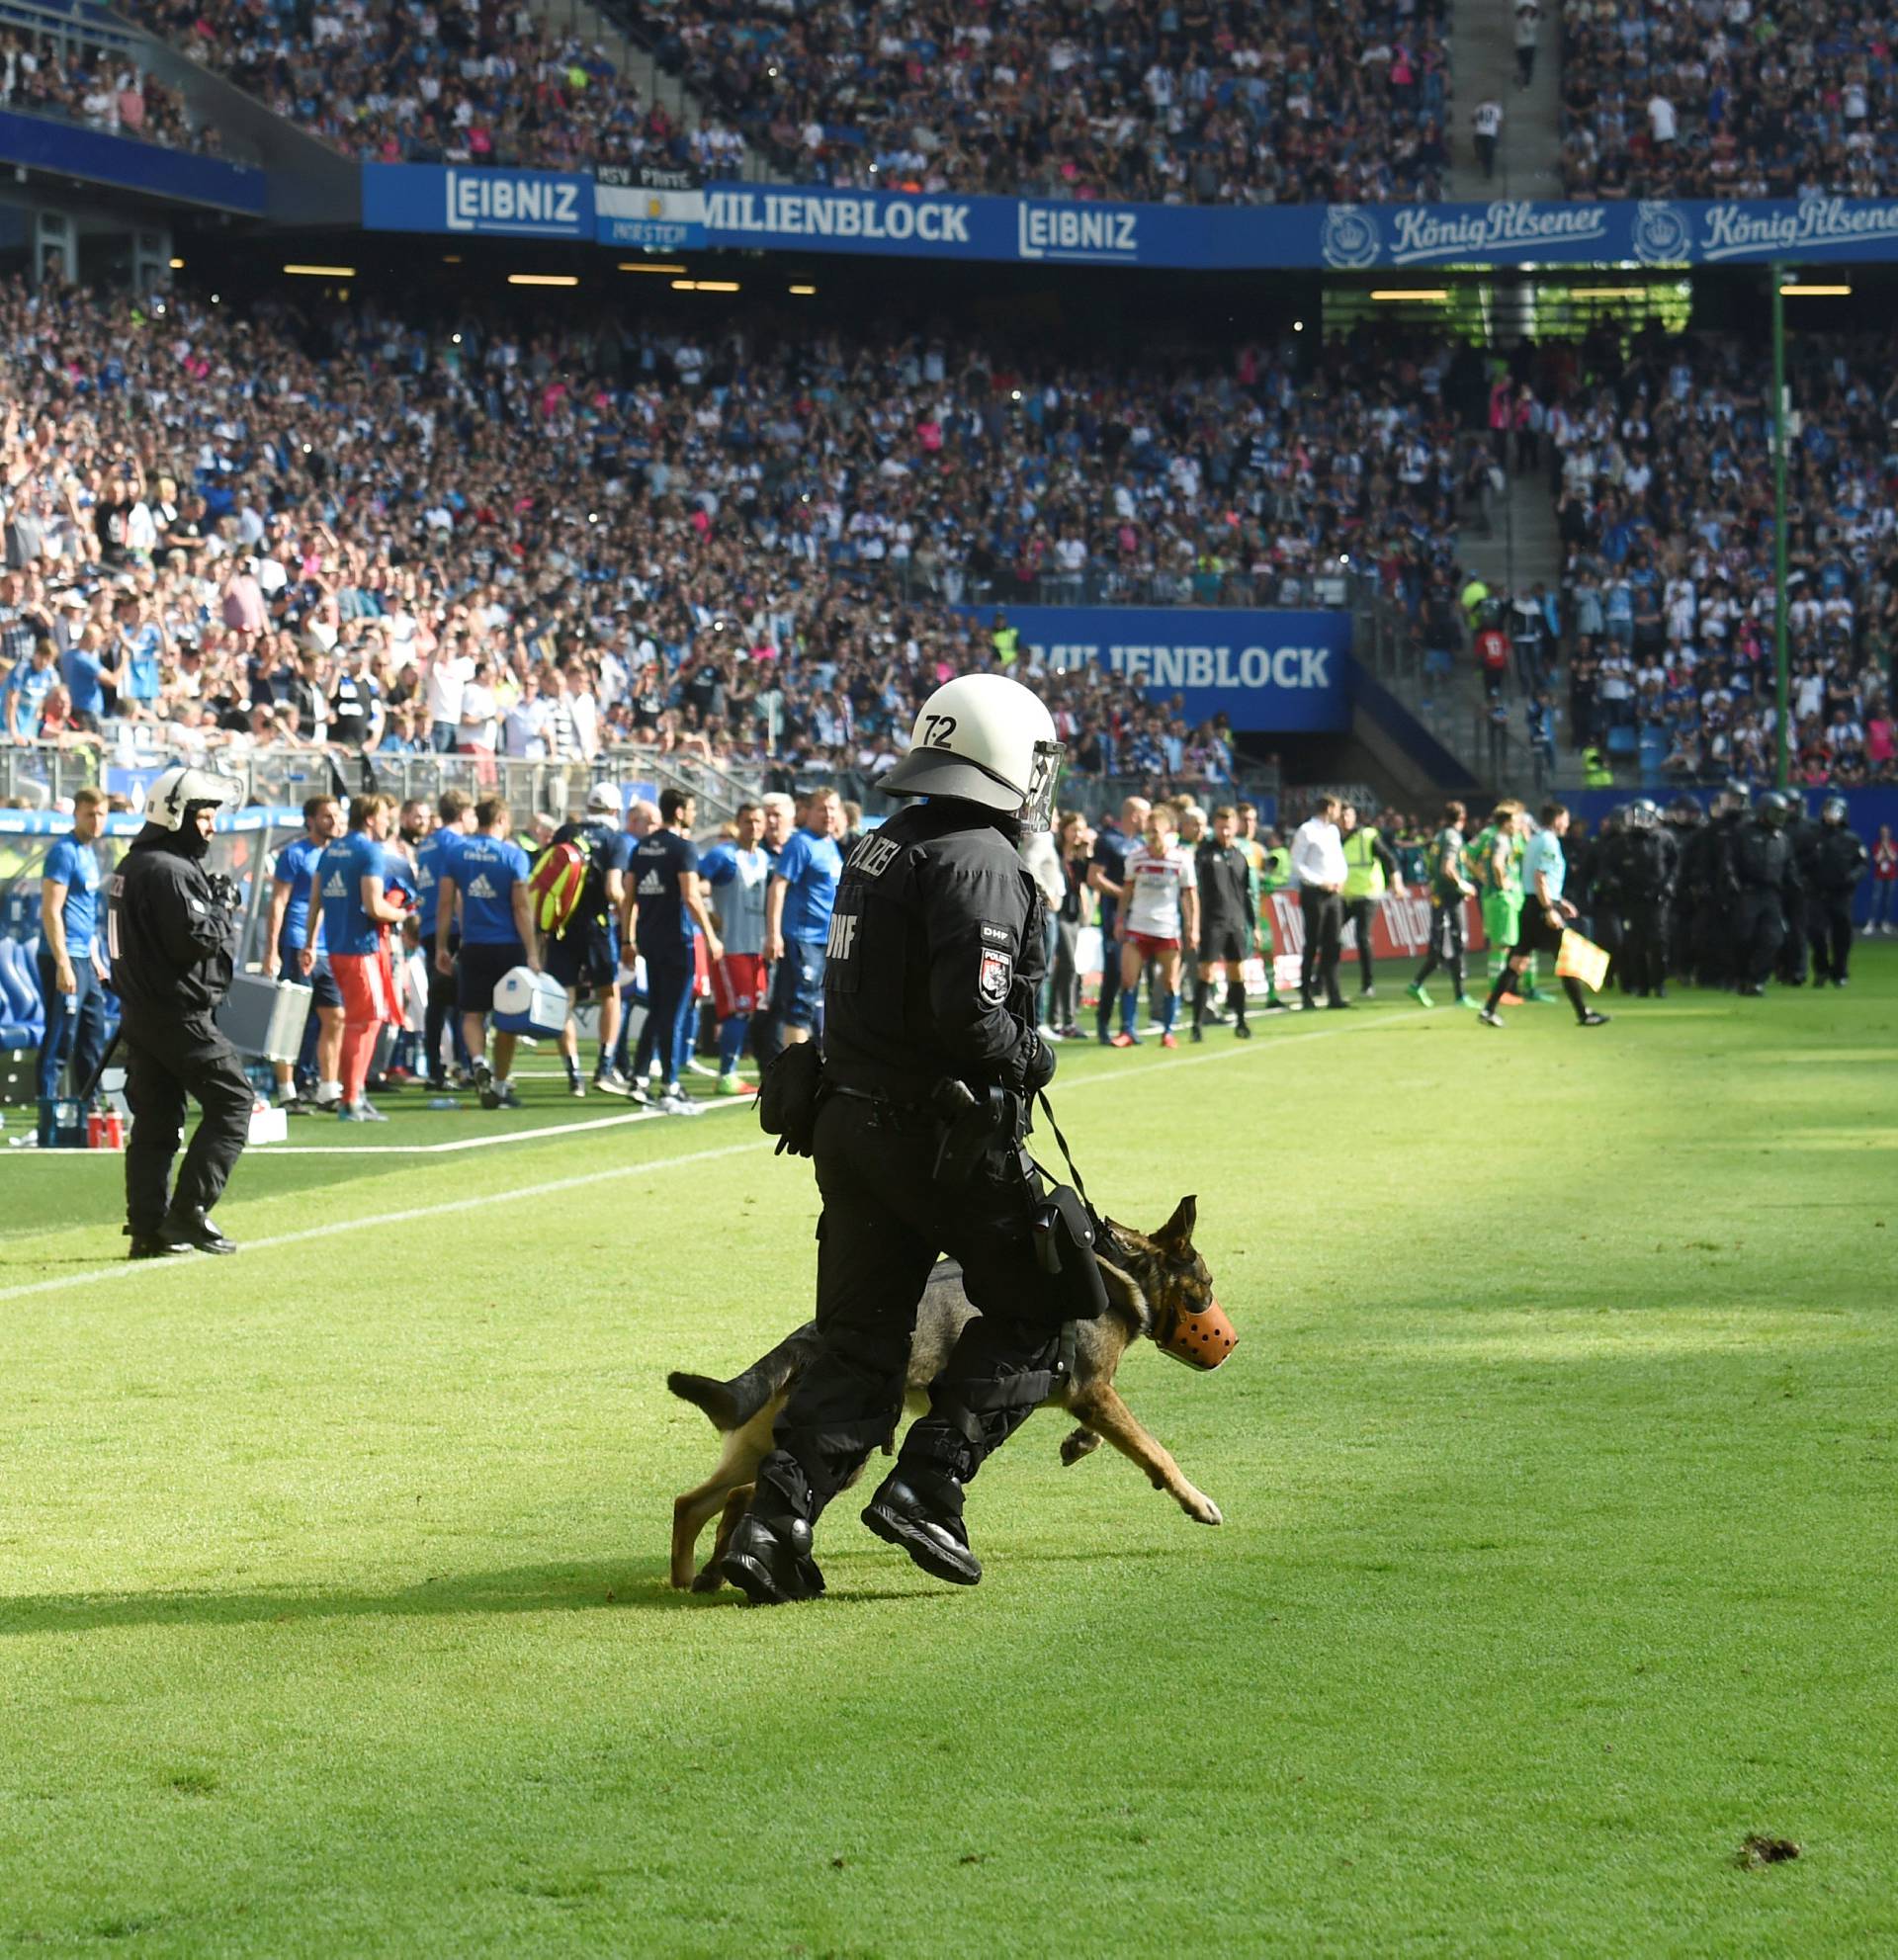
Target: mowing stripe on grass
x=124 y=1269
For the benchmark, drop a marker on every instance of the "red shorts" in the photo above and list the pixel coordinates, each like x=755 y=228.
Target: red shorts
x=739 y=984
x=1149 y=947
x=364 y=982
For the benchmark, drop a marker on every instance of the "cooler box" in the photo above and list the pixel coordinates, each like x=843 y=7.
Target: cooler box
x=269 y=1124
x=265 y=1018
x=527 y=1003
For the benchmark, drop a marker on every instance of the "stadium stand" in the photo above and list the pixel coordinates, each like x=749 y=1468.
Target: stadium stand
x=1666 y=511
x=449 y=83
x=728 y=548
x=1668 y=101
x=76 y=79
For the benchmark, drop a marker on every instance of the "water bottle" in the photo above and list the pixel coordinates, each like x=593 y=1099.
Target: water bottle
x=443 y=1102
x=72 y=1005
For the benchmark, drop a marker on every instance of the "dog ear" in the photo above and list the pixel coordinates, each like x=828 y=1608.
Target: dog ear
x=1177 y=1235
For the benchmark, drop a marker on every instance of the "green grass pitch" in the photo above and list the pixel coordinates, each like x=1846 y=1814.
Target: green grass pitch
x=1557 y=1459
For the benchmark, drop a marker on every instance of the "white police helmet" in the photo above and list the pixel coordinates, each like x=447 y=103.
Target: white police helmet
x=985 y=739
x=170 y=798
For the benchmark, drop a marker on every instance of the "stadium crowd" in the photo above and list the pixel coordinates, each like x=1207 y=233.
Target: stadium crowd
x=1724 y=101
x=242 y=532
x=455 y=83
x=1664 y=506
x=96 y=86
x=1154 y=101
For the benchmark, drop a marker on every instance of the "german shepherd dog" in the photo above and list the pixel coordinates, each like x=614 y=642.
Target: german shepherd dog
x=1155 y=1286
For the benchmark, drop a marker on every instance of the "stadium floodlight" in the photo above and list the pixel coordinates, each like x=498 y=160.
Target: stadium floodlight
x=1401 y=293
x=321 y=272
x=645 y=265
x=1797 y=289
x=543 y=279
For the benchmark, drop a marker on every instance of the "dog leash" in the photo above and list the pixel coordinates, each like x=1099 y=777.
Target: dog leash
x=1068 y=1157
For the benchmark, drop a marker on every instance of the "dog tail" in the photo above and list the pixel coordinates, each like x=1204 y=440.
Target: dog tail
x=730 y=1404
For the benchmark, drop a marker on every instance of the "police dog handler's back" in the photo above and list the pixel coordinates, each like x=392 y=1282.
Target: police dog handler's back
x=934 y=953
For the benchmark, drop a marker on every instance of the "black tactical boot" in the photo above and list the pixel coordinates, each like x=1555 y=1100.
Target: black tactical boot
x=194 y=1230
x=153 y=1245
x=921 y=1510
x=769 y=1560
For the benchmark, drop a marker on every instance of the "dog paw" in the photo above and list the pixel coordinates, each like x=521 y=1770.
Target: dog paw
x=1202 y=1511
x=1078 y=1444
x=712 y=1578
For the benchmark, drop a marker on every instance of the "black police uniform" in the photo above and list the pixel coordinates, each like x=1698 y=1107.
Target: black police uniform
x=935 y=955
x=1802 y=833
x=1646 y=865
x=1683 y=823
x=1769 y=880
x=1595 y=890
x=1837 y=862
x=1708 y=878
x=173 y=940
x=1227 y=921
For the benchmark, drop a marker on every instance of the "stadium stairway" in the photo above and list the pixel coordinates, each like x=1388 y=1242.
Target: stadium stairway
x=636 y=62
x=1482 y=64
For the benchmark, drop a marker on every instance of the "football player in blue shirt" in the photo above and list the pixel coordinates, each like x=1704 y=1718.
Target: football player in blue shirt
x=434 y=860
x=292 y=933
x=797 y=927
x=738 y=874
x=485 y=887
x=352 y=880
x=72 y=968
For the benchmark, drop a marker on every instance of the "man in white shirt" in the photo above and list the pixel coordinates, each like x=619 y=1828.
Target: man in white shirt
x=1318 y=866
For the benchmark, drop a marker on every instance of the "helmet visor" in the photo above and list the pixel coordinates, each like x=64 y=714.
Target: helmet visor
x=1044 y=774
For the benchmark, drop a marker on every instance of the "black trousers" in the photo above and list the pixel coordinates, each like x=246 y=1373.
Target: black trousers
x=885 y=1219
x=1644 y=952
x=1446 y=942
x=1759 y=927
x=1714 y=941
x=1792 y=944
x=1829 y=926
x=1109 y=976
x=165 y=1069
x=1324 y=913
x=1360 y=913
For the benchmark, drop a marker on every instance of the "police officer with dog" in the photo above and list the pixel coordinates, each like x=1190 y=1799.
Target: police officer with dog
x=1834 y=863
x=172 y=933
x=916 y=1123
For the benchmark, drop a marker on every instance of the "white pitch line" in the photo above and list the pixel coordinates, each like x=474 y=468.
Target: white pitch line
x=126 y=1269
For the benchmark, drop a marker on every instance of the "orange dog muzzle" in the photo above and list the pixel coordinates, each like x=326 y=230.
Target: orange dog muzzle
x=1201 y=1340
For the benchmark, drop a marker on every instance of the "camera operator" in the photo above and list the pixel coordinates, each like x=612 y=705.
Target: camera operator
x=932 y=1055
x=172 y=933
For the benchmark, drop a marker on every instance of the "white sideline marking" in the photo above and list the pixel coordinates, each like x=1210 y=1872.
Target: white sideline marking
x=125 y=1269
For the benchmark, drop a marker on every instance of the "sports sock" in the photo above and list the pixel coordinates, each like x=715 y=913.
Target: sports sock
x=1202 y=996
x=572 y=1066
x=731 y=1036
x=1573 y=988
x=1169 y=1007
x=1129 y=1001
x=1497 y=988
x=1455 y=965
x=1529 y=975
x=1236 y=1000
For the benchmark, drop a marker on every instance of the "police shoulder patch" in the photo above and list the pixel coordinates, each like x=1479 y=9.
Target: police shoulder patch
x=997 y=935
x=997 y=975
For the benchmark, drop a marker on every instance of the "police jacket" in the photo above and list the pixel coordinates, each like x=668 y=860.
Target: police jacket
x=1764 y=859
x=935 y=955
x=1648 y=862
x=1837 y=859
x=1707 y=860
x=173 y=945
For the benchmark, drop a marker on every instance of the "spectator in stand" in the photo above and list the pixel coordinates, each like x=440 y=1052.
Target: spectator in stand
x=669 y=912
x=351 y=877
x=1486 y=126
x=28 y=687
x=1885 y=883
x=290 y=949
x=483 y=885
x=585 y=954
x=72 y=954
x=798 y=907
x=737 y=874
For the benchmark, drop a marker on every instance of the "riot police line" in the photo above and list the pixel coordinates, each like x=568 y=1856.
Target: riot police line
x=1737 y=896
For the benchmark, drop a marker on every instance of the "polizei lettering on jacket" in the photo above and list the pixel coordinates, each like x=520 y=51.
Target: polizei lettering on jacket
x=799 y=214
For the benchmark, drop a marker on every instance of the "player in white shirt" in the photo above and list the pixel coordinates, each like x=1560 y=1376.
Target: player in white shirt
x=1158 y=915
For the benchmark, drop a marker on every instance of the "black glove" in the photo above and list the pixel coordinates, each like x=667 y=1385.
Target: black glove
x=224 y=891
x=1037 y=1063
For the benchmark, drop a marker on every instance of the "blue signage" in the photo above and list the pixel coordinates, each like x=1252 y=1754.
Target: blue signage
x=37 y=142
x=1267 y=672
x=663 y=210
x=489 y=204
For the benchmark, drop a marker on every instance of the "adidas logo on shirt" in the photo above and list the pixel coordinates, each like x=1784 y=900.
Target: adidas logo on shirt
x=481 y=888
x=333 y=885
x=652 y=885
